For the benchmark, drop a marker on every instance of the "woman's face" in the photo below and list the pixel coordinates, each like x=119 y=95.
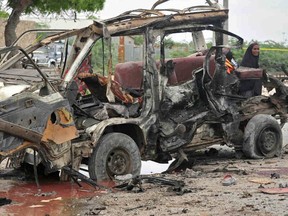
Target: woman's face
x=255 y=50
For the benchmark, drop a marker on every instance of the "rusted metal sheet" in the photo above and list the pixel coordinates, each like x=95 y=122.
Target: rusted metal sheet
x=201 y=107
x=19 y=131
x=24 y=145
x=63 y=35
x=60 y=130
x=202 y=144
x=138 y=21
x=200 y=18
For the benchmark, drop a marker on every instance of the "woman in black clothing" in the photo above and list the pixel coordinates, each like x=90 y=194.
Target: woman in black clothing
x=251 y=56
x=251 y=87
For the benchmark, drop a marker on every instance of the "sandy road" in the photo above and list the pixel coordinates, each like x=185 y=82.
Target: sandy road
x=205 y=193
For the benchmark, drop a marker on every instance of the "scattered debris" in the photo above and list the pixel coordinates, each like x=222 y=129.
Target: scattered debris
x=180 y=163
x=5 y=201
x=185 y=210
x=163 y=181
x=261 y=181
x=124 y=177
x=45 y=194
x=176 y=185
x=231 y=169
x=133 y=183
x=49 y=200
x=246 y=194
x=75 y=175
x=36 y=206
x=228 y=180
x=274 y=190
x=95 y=211
x=190 y=173
x=283 y=185
x=275 y=176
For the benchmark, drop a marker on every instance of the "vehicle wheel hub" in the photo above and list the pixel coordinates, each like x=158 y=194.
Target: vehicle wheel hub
x=268 y=141
x=118 y=162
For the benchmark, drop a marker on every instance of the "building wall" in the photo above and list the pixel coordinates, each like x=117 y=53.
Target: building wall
x=22 y=26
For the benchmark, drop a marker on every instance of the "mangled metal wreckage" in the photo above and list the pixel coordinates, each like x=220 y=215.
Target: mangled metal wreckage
x=153 y=109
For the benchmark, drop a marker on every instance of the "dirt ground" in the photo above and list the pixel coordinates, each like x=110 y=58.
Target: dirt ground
x=204 y=192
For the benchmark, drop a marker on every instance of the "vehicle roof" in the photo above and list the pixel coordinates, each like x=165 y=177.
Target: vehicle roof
x=137 y=21
x=134 y=22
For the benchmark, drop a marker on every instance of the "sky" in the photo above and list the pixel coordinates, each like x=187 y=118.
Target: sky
x=259 y=20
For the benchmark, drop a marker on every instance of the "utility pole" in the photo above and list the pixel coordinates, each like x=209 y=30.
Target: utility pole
x=225 y=37
x=121 y=49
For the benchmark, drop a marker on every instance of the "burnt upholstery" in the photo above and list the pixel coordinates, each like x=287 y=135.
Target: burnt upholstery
x=129 y=74
x=244 y=73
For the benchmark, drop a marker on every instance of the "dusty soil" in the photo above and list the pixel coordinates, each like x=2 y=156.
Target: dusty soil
x=204 y=193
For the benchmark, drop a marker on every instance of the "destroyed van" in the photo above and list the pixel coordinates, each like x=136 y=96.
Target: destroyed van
x=157 y=107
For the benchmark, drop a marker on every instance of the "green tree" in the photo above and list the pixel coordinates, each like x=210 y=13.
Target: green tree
x=138 y=40
x=100 y=53
x=3 y=13
x=273 y=56
x=169 y=43
x=19 y=7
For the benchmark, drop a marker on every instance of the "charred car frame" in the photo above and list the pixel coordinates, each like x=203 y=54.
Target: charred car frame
x=153 y=109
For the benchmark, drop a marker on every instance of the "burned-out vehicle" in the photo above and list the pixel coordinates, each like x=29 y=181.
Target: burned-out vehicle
x=154 y=108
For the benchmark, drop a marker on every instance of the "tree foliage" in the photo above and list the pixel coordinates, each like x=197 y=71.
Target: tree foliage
x=19 y=7
x=138 y=40
x=4 y=14
x=100 y=53
x=56 y=6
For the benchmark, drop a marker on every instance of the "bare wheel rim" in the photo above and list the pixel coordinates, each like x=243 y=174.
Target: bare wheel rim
x=118 y=162
x=268 y=141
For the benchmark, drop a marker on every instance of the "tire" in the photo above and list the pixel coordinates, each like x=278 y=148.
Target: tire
x=115 y=154
x=262 y=137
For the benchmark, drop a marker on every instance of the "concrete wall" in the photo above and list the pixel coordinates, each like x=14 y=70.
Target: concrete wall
x=22 y=26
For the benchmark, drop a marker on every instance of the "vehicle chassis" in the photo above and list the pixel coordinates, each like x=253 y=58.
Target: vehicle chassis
x=171 y=120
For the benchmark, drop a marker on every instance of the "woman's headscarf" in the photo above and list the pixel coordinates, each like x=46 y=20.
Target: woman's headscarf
x=249 y=60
